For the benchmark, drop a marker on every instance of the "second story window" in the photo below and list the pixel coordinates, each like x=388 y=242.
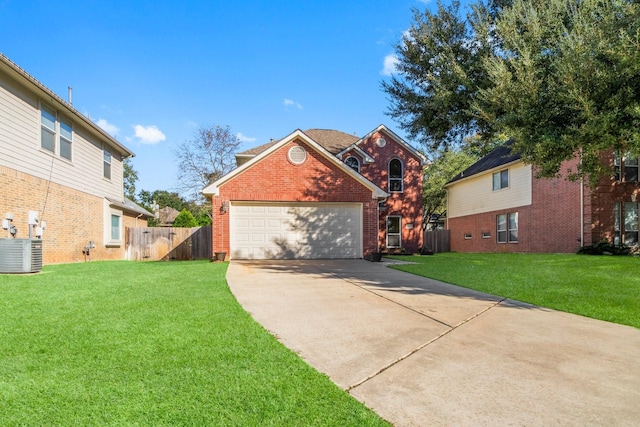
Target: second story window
x=353 y=163
x=395 y=176
x=66 y=137
x=626 y=168
x=107 y=164
x=501 y=180
x=56 y=133
x=48 y=129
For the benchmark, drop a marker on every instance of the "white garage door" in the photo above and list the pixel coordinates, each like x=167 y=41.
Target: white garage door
x=277 y=231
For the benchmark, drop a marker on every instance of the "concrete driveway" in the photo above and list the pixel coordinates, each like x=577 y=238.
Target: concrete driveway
x=421 y=352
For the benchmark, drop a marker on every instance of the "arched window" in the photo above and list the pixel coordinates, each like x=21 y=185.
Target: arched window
x=353 y=163
x=396 y=173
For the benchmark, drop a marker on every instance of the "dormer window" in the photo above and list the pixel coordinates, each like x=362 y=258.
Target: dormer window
x=395 y=176
x=353 y=163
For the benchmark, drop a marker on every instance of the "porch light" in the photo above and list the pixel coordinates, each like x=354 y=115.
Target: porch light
x=224 y=208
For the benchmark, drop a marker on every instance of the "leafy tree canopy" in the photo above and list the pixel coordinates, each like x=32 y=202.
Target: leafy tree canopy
x=560 y=77
x=130 y=176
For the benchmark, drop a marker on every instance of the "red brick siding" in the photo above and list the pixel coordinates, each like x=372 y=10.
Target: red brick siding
x=407 y=204
x=276 y=179
x=72 y=217
x=603 y=198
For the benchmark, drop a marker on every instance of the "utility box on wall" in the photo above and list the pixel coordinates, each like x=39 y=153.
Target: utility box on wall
x=20 y=255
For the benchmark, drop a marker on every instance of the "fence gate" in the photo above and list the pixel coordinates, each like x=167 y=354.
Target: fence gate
x=437 y=240
x=168 y=243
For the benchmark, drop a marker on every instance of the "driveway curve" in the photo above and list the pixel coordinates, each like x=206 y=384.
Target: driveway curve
x=422 y=352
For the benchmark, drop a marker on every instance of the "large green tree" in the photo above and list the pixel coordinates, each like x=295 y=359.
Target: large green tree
x=566 y=81
x=130 y=176
x=560 y=77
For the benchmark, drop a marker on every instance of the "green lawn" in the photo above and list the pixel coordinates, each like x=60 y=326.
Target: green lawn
x=124 y=343
x=601 y=287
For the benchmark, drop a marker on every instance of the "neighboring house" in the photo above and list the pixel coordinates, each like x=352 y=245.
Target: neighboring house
x=166 y=216
x=58 y=163
x=320 y=194
x=498 y=205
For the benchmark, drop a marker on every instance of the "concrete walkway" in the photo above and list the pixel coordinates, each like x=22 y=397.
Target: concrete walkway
x=424 y=353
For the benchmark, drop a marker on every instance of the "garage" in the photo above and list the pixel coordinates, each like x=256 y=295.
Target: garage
x=295 y=230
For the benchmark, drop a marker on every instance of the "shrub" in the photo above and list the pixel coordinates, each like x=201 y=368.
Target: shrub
x=185 y=219
x=604 y=248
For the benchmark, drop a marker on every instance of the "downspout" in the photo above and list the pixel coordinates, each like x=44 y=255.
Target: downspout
x=582 y=212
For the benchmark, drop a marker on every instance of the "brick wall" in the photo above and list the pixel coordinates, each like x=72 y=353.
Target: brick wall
x=72 y=217
x=275 y=178
x=408 y=203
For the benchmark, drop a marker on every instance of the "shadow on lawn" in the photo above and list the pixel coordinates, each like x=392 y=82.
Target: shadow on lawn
x=375 y=277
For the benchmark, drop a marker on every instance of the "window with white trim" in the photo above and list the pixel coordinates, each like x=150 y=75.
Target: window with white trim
x=507 y=227
x=115 y=228
x=396 y=178
x=47 y=129
x=106 y=164
x=56 y=133
x=394 y=227
x=501 y=180
x=66 y=139
x=353 y=163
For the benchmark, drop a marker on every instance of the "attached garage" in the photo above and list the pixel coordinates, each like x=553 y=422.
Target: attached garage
x=295 y=230
x=295 y=200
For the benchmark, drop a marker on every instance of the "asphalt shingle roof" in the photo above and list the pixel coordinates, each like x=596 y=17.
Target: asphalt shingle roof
x=333 y=141
x=499 y=156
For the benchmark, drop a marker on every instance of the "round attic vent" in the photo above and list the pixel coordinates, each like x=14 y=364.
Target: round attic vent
x=381 y=142
x=297 y=155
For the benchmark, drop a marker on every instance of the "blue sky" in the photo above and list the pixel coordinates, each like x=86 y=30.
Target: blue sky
x=151 y=72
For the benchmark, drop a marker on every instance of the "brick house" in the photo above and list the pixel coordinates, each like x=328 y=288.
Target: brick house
x=320 y=194
x=498 y=205
x=58 y=163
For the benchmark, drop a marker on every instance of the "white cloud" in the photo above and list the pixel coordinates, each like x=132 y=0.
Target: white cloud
x=390 y=65
x=108 y=127
x=291 y=103
x=149 y=134
x=243 y=138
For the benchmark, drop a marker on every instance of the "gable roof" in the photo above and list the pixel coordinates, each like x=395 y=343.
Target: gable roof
x=388 y=131
x=44 y=92
x=377 y=192
x=499 y=156
x=331 y=140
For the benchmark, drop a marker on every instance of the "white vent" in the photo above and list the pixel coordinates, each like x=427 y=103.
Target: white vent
x=20 y=255
x=297 y=155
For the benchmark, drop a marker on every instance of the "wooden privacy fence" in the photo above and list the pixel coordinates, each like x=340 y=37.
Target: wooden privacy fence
x=168 y=243
x=437 y=240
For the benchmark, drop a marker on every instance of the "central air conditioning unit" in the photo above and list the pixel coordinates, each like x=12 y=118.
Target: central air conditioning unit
x=20 y=255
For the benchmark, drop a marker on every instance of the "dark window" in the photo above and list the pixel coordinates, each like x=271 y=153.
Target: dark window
x=353 y=163
x=395 y=176
x=501 y=180
x=394 y=224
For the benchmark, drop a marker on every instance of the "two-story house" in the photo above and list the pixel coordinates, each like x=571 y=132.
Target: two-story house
x=320 y=194
x=499 y=205
x=59 y=165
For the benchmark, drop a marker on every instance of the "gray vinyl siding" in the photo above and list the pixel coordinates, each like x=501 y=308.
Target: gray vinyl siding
x=20 y=146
